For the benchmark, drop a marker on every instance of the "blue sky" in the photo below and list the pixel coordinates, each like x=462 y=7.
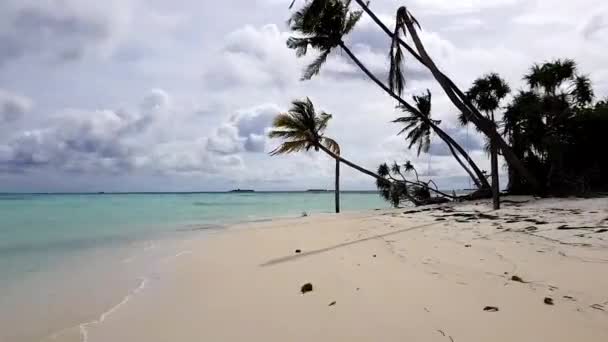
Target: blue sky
x=150 y=95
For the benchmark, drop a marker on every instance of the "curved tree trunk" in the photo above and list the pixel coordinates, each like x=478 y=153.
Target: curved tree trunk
x=455 y=94
x=479 y=185
x=444 y=136
x=495 y=179
x=337 y=187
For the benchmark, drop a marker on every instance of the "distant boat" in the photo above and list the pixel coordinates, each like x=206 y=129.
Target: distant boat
x=316 y=190
x=242 y=190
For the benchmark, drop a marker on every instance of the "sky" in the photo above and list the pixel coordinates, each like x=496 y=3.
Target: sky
x=154 y=95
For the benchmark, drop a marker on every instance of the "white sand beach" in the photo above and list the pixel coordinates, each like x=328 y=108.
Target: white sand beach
x=539 y=268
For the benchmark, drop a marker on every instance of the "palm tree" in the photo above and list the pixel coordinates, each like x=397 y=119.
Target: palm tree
x=486 y=93
x=420 y=132
x=322 y=25
x=302 y=128
x=405 y=20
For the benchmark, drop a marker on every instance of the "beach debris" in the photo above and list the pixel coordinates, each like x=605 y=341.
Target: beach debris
x=569 y=297
x=548 y=300
x=603 y=230
x=332 y=303
x=597 y=307
x=374 y=255
x=298 y=251
x=467 y=245
x=304 y=214
x=530 y=229
x=517 y=278
x=306 y=288
x=487 y=216
x=357 y=289
x=440 y=219
x=490 y=309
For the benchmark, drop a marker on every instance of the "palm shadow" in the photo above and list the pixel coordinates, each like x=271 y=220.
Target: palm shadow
x=340 y=245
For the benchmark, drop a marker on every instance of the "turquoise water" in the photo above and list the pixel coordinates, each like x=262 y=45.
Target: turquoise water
x=58 y=251
x=43 y=225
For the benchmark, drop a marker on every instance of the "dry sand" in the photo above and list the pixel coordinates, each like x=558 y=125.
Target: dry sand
x=395 y=275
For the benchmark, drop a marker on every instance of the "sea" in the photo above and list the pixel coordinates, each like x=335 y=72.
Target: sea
x=68 y=260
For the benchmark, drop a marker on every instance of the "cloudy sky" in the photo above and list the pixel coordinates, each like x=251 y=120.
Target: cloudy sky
x=155 y=95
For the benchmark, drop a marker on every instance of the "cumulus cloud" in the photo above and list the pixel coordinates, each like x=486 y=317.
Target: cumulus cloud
x=254 y=56
x=59 y=30
x=245 y=131
x=13 y=106
x=116 y=141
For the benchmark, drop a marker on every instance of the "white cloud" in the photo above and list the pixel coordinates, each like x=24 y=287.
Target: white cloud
x=13 y=106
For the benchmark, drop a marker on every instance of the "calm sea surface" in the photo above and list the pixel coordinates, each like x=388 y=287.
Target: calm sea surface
x=60 y=253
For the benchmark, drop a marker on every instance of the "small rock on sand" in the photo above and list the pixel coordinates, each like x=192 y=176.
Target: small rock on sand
x=332 y=303
x=517 y=278
x=306 y=288
x=490 y=309
x=548 y=300
x=298 y=251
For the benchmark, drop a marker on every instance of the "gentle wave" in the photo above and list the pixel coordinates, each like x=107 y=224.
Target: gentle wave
x=84 y=333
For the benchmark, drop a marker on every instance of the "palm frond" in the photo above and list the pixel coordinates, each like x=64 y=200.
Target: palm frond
x=582 y=90
x=353 y=18
x=315 y=67
x=298 y=44
x=290 y=147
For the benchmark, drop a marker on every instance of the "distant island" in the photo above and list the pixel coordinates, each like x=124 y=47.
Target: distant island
x=242 y=190
x=316 y=190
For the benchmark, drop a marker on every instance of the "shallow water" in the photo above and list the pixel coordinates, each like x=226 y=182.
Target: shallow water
x=65 y=260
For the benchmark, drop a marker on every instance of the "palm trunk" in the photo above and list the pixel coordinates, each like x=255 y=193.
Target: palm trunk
x=477 y=182
x=454 y=93
x=484 y=124
x=376 y=176
x=337 y=187
x=495 y=178
x=444 y=136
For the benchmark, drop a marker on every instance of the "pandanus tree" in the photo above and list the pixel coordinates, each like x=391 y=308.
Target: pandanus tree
x=486 y=94
x=322 y=25
x=538 y=121
x=419 y=132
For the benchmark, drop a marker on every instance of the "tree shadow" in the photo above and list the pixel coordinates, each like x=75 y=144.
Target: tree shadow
x=340 y=245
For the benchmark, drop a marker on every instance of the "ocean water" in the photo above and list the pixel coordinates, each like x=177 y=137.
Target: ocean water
x=66 y=259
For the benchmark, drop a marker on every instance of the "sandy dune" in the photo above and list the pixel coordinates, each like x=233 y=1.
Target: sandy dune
x=395 y=275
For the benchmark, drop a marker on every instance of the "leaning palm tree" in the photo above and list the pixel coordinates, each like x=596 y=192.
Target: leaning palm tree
x=405 y=22
x=322 y=25
x=419 y=132
x=486 y=93
x=302 y=129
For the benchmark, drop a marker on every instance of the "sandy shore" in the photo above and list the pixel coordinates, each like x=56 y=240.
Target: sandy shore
x=398 y=275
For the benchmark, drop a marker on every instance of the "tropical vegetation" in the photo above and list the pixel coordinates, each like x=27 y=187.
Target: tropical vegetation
x=546 y=134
